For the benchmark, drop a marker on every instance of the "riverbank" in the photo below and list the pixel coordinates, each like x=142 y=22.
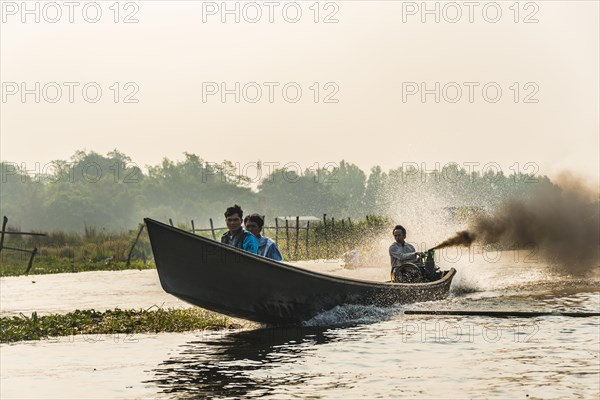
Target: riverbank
x=44 y=266
x=99 y=290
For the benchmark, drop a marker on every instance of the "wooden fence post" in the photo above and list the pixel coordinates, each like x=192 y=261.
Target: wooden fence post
x=343 y=235
x=276 y=231
x=307 y=233
x=171 y=222
x=326 y=231
x=316 y=246
x=30 y=263
x=351 y=233
x=332 y=230
x=287 y=237
x=193 y=227
x=297 y=235
x=134 y=243
x=4 y=222
x=212 y=229
x=2 y=246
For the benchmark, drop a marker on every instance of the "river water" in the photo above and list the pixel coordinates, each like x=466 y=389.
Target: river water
x=348 y=352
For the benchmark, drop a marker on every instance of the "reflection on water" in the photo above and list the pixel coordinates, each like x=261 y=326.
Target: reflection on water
x=206 y=368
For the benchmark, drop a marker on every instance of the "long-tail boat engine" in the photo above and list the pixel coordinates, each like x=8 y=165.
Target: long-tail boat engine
x=422 y=270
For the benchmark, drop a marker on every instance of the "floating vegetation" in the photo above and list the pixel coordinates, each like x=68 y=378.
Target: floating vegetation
x=85 y=322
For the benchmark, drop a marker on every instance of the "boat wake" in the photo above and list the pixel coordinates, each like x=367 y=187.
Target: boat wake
x=353 y=314
x=464 y=287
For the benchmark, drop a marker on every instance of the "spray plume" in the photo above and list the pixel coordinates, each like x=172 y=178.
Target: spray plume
x=561 y=221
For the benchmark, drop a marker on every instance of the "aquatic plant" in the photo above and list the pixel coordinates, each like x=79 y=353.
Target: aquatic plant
x=87 y=322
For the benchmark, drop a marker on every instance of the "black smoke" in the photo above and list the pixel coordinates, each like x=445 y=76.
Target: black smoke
x=561 y=220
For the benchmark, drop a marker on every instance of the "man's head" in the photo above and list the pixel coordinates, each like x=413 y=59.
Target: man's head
x=233 y=218
x=254 y=224
x=399 y=233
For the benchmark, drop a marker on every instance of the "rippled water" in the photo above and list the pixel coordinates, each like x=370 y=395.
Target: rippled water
x=441 y=357
x=351 y=351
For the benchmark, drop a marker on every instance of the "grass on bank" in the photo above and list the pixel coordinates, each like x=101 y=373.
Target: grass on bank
x=51 y=265
x=88 y=322
x=59 y=251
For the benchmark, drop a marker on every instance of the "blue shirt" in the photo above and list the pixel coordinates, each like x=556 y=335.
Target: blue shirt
x=268 y=248
x=249 y=242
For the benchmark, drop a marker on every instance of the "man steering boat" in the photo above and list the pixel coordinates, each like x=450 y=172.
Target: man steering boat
x=409 y=265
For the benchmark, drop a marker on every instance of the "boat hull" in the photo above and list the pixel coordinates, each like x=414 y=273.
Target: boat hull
x=230 y=281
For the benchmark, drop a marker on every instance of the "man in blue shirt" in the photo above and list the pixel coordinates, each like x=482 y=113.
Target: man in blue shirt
x=266 y=247
x=236 y=235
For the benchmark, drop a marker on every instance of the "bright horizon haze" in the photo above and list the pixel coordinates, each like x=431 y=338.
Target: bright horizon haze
x=368 y=82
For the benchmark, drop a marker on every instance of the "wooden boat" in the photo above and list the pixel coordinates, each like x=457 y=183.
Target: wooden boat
x=230 y=281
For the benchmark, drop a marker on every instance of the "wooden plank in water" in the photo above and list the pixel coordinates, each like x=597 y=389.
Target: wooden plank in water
x=502 y=314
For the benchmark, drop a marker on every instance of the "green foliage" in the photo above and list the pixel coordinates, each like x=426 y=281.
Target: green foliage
x=348 y=182
x=92 y=322
x=96 y=194
x=85 y=201
x=191 y=189
x=287 y=192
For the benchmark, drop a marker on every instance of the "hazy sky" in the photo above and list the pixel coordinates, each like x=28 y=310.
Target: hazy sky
x=374 y=63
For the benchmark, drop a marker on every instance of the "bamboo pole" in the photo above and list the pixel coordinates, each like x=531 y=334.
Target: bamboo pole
x=17 y=249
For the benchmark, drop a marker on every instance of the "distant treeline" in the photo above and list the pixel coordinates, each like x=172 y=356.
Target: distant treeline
x=113 y=193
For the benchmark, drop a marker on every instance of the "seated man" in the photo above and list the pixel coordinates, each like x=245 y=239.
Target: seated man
x=236 y=235
x=400 y=251
x=266 y=247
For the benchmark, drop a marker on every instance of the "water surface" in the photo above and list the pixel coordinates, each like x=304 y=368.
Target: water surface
x=348 y=352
